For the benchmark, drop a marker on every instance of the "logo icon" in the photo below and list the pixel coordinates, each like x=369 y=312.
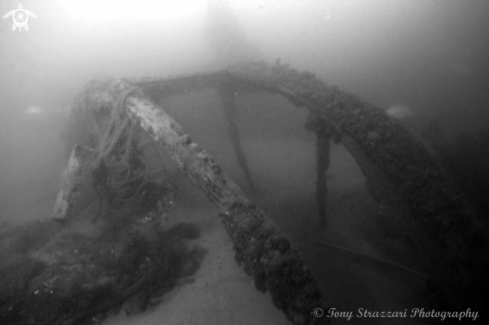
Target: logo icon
x=20 y=16
x=318 y=312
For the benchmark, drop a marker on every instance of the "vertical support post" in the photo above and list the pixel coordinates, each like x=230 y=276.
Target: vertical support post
x=227 y=93
x=324 y=133
x=323 y=147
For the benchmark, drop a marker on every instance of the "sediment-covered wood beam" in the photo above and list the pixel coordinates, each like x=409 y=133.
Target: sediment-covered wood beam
x=160 y=88
x=265 y=252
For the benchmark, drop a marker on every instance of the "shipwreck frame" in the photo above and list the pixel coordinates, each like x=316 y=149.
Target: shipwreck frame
x=415 y=195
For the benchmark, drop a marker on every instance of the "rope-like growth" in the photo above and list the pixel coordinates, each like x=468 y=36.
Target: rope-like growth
x=119 y=175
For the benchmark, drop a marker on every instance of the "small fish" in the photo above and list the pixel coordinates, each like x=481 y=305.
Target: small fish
x=400 y=112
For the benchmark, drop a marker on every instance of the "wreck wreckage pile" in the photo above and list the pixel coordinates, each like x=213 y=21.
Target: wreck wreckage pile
x=415 y=196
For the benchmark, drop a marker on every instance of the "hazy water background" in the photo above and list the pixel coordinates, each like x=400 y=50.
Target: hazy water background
x=430 y=55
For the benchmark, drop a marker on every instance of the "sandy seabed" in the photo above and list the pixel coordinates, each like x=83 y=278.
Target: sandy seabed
x=221 y=292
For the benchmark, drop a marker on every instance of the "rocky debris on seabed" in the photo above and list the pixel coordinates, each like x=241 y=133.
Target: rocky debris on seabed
x=53 y=274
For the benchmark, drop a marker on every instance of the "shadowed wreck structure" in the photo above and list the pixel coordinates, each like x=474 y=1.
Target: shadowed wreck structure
x=113 y=119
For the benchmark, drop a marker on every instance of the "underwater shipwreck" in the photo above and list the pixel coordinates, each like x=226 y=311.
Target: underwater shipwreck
x=117 y=134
